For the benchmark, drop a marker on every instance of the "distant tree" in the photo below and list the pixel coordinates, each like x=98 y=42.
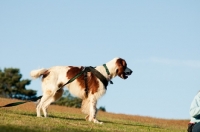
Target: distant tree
x=11 y=85
x=101 y=108
x=68 y=100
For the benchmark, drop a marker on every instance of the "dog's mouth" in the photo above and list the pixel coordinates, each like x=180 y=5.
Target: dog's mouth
x=123 y=76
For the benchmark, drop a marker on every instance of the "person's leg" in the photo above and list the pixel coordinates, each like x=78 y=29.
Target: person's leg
x=196 y=127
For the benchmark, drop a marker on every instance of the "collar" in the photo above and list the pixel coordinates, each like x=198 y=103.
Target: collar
x=107 y=71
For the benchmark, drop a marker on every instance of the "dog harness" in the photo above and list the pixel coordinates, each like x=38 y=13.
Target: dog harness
x=95 y=72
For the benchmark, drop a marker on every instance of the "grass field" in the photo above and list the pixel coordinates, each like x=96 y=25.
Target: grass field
x=23 y=118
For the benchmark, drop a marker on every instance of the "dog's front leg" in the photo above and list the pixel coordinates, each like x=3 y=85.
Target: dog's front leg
x=93 y=111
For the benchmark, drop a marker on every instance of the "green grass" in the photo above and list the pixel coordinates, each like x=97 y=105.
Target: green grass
x=23 y=118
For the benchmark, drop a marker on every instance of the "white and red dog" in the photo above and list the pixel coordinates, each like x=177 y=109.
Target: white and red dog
x=54 y=79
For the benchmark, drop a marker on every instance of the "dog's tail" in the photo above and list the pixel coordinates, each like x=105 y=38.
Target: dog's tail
x=37 y=73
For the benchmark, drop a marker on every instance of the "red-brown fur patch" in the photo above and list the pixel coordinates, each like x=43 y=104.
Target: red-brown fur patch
x=93 y=83
x=58 y=94
x=121 y=64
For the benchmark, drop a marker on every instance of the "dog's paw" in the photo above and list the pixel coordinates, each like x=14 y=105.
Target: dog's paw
x=97 y=122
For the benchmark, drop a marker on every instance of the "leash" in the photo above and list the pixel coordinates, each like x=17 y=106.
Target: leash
x=72 y=79
x=85 y=71
x=19 y=103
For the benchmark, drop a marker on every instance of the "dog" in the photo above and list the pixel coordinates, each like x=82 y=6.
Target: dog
x=54 y=80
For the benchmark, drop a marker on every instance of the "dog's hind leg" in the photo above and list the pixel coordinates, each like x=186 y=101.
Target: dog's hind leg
x=45 y=97
x=53 y=98
x=39 y=105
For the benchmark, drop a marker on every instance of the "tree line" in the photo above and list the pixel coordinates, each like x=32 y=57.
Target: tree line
x=13 y=86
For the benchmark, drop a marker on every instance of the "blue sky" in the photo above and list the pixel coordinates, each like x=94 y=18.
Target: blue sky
x=160 y=40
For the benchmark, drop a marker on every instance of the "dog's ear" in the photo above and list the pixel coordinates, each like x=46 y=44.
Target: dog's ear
x=124 y=63
x=121 y=63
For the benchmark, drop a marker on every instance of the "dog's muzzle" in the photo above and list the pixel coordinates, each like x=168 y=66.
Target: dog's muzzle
x=128 y=71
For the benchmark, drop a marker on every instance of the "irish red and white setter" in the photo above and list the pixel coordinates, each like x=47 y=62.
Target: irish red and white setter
x=55 y=77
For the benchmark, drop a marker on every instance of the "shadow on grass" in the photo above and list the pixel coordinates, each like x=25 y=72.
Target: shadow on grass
x=53 y=116
x=132 y=124
x=66 y=118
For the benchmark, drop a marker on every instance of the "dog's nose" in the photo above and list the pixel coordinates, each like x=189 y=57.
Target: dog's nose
x=130 y=72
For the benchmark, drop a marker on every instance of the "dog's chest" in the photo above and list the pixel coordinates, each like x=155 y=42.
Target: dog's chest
x=78 y=91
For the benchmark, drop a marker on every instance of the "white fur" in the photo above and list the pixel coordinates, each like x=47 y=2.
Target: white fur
x=37 y=73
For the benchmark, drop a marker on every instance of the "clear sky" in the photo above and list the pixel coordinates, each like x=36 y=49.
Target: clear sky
x=160 y=40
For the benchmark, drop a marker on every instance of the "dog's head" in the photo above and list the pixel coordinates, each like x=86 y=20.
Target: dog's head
x=122 y=70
